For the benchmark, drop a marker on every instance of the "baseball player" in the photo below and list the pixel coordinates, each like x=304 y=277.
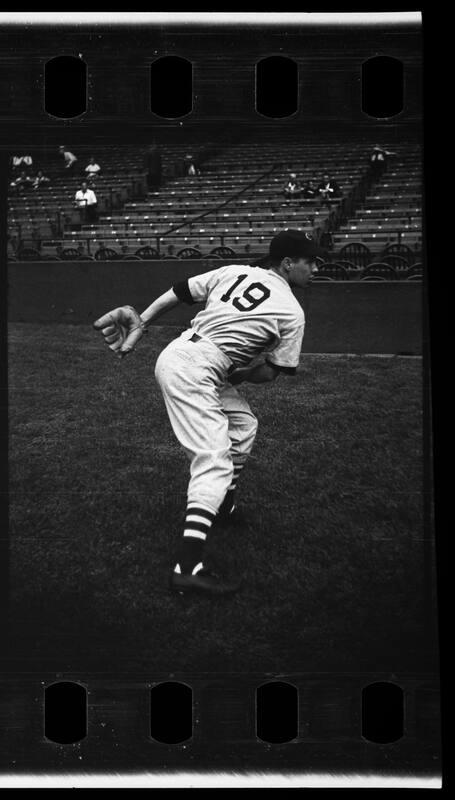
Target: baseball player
x=249 y=310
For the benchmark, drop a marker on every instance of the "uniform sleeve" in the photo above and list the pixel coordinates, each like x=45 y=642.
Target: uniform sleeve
x=286 y=354
x=197 y=288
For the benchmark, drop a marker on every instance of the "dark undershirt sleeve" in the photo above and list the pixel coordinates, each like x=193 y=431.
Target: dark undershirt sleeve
x=182 y=291
x=286 y=370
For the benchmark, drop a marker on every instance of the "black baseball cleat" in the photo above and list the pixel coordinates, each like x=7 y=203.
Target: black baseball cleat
x=226 y=508
x=204 y=581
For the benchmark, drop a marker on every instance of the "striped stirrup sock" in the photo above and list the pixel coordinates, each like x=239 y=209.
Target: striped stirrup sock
x=198 y=522
x=237 y=470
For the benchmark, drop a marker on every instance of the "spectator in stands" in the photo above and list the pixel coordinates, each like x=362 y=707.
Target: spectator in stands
x=378 y=161
x=310 y=191
x=292 y=188
x=328 y=190
x=70 y=158
x=22 y=182
x=85 y=199
x=192 y=168
x=40 y=180
x=92 y=169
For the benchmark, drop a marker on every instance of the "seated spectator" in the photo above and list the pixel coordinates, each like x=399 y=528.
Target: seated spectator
x=85 y=199
x=191 y=166
x=40 y=180
x=70 y=158
x=292 y=188
x=310 y=190
x=378 y=161
x=22 y=182
x=92 y=169
x=328 y=190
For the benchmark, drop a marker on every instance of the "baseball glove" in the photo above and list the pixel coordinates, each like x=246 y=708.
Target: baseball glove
x=122 y=328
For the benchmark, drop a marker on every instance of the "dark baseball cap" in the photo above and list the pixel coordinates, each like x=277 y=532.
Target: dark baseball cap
x=292 y=243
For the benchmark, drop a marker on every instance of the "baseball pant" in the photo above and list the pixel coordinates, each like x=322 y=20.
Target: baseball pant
x=212 y=421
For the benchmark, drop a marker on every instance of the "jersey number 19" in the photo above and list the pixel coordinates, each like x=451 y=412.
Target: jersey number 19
x=251 y=301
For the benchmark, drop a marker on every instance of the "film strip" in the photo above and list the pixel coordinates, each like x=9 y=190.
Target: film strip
x=331 y=719
x=179 y=146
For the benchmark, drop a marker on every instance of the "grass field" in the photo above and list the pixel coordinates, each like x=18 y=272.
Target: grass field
x=329 y=538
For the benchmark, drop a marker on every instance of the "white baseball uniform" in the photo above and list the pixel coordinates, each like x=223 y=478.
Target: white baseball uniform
x=248 y=311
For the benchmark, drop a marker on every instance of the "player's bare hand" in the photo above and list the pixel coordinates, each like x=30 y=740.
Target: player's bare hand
x=121 y=328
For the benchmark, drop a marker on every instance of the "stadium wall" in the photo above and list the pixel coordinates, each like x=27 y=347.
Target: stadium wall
x=342 y=317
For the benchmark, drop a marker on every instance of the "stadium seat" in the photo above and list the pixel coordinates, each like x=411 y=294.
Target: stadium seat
x=397 y=250
x=399 y=263
x=334 y=271
x=356 y=252
x=189 y=252
x=379 y=271
x=147 y=252
x=223 y=252
x=415 y=270
x=349 y=266
x=106 y=254
x=69 y=254
x=28 y=254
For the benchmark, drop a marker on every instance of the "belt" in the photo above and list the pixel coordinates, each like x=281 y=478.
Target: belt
x=196 y=338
